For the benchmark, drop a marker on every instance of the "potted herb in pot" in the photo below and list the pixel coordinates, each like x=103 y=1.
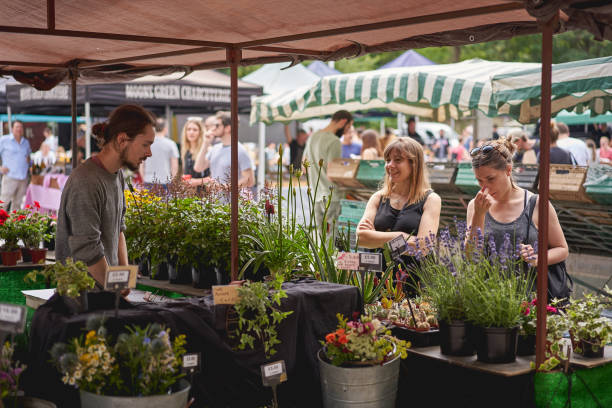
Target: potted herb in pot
x=71 y=279
x=590 y=330
x=140 y=368
x=527 y=331
x=359 y=362
x=10 y=232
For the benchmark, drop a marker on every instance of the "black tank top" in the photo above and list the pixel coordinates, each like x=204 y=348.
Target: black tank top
x=406 y=220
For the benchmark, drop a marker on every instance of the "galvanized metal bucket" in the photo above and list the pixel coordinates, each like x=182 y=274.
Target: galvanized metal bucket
x=175 y=400
x=372 y=386
x=29 y=402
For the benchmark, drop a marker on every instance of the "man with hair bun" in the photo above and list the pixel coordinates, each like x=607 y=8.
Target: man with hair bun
x=90 y=220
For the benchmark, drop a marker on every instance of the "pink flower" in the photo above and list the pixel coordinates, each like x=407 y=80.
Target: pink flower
x=551 y=309
x=36 y=204
x=526 y=312
x=534 y=301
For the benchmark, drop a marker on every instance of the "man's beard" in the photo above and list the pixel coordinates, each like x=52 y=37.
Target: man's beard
x=125 y=162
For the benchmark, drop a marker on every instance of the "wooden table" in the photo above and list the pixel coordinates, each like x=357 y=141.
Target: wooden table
x=165 y=285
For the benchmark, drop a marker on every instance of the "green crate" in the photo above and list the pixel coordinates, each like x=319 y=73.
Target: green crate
x=466 y=180
x=352 y=208
x=598 y=183
x=12 y=283
x=371 y=173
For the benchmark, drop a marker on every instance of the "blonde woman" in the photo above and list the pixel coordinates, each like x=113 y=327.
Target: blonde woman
x=405 y=205
x=191 y=142
x=370 y=145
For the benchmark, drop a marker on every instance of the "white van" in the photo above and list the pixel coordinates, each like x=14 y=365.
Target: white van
x=430 y=131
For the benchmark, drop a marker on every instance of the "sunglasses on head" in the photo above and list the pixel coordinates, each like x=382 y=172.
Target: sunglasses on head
x=484 y=149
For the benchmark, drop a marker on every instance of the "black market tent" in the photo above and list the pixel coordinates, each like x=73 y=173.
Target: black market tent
x=200 y=91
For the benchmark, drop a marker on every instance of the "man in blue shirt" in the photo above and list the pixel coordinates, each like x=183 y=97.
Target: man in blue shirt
x=15 y=154
x=351 y=146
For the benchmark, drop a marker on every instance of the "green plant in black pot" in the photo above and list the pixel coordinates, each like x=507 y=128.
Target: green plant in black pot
x=589 y=329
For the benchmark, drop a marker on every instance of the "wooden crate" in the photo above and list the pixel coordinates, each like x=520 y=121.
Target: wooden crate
x=371 y=173
x=526 y=176
x=442 y=176
x=343 y=172
x=566 y=183
x=352 y=209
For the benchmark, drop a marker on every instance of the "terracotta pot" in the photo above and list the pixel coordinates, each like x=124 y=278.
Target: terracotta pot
x=38 y=255
x=10 y=258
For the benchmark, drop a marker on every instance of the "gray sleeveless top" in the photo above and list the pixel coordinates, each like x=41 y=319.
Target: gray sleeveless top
x=517 y=229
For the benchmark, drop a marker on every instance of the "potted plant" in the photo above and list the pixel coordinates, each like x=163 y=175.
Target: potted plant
x=10 y=232
x=527 y=327
x=590 y=330
x=71 y=279
x=34 y=231
x=359 y=362
x=140 y=368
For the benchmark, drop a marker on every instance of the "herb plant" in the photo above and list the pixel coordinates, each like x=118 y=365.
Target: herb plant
x=71 y=278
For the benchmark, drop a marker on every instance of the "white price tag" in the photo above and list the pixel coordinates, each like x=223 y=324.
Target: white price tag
x=369 y=261
x=274 y=373
x=10 y=314
x=118 y=276
x=191 y=363
x=397 y=246
x=273 y=369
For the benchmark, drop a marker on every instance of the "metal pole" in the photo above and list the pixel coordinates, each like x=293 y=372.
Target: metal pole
x=382 y=127
x=233 y=56
x=542 y=277
x=261 y=170
x=88 y=131
x=9 y=118
x=73 y=111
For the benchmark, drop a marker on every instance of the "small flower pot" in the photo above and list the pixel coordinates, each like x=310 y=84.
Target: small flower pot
x=79 y=304
x=26 y=254
x=526 y=345
x=590 y=351
x=10 y=258
x=496 y=345
x=38 y=255
x=455 y=339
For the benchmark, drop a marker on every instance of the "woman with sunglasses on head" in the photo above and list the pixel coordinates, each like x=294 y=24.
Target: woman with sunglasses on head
x=192 y=139
x=501 y=207
x=405 y=205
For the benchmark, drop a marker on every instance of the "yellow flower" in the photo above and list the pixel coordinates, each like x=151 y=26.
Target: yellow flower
x=91 y=335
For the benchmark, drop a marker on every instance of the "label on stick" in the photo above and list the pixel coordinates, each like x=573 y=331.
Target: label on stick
x=120 y=277
x=225 y=294
x=348 y=261
x=273 y=373
x=191 y=363
x=397 y=246
x=369 y=261
x=12 y=318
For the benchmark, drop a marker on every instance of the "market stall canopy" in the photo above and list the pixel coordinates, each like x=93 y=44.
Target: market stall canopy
x=410 y=58
x=573 y=118
x=432 y=91
x=118 y=41
x=576 y=86
x=3 y=83
x=322 y=69
x=277 y=78
x=200 y=91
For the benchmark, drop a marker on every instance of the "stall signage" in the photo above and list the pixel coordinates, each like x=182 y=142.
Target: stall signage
x=348 y=261
x=371 y=262
x=191 y=363
x=274 y=373
x=397 y=246
x=12 y=318
x=120 y=277
x=225 y=294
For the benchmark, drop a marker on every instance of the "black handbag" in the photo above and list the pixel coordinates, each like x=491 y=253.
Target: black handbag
x=560 y=283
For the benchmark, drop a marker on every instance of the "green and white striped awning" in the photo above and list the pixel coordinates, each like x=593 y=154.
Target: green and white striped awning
x=433 y=91
x=577 y=86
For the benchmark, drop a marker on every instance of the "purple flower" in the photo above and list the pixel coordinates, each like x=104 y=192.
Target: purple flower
x=492 y=247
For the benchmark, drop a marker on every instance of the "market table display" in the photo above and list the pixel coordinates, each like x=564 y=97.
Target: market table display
x=228 y=378
x=49 y=194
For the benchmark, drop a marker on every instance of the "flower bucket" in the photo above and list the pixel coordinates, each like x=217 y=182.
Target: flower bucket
x=38 y=255
x=30 y=402
x=455 y=338
x=10 y=258
x=359 y=386
x=496 y=344
x=177 y=399
x=526 y=345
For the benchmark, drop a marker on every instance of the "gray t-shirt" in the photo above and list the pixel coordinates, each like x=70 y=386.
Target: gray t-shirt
x=91 y=215
x=577 y=148
x=158 y=167
x=221 y=162
x=322 y=145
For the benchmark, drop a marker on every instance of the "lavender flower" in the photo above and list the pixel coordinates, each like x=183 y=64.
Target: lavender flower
x=492 y=247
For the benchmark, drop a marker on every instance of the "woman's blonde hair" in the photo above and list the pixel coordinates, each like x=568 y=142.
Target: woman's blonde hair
x=418 y=182
x=186 y=144
x=369 y=139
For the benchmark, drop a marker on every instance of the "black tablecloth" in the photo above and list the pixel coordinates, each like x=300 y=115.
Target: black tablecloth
x=228 y=378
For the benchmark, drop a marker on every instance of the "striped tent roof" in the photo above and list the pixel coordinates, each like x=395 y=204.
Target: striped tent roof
x=577 y=86
x=434 y=91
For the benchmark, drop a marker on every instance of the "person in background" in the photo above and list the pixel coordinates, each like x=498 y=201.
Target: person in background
x=440 y=147
x=163 y=165
x=557 y=154
x=593 y=153
x=495 y=133
x=322 y=147
x=296 y=146
x=350 y=145
x=213 y=129
x=44 y=155
x=502 y=207
x=15 y=154
x=192 y=138
x=370 y=145
x=388 y=138
x=90 y=220
x=50 y=139
x=526 y=149
x=576 y=147
x=605 y=151
x=405 y=205
x=458 y=153
x=412 y=133
x=466 y=138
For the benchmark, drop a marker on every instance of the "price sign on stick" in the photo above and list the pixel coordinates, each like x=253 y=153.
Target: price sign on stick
x=371 y=262
x=225 y=294
x=274 y=373
x=348 y=261
x=12 y=318
x=397 y=246
x=120 y=277
x=191 y=363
